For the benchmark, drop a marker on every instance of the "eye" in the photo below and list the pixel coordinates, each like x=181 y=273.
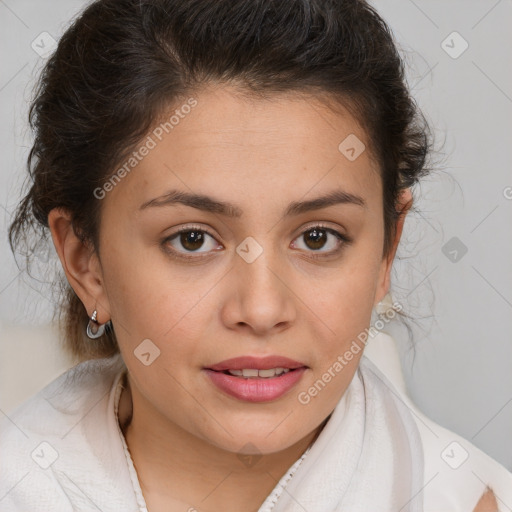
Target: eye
x=321 y=239
x=190 y=239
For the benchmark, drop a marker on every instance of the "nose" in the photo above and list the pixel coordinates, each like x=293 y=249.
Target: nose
x=260 y=298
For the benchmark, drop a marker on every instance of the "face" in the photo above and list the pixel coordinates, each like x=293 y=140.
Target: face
x=260 y=268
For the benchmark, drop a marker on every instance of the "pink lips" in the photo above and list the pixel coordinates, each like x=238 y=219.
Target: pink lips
x=261 y=363
x=256 y=389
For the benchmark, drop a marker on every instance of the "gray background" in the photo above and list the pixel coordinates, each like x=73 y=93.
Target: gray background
x=460 y=302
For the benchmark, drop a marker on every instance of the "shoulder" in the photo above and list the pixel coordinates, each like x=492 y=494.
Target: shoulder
x=456 y=473
x=40 y=436
x=459 y=471
x=54 y=406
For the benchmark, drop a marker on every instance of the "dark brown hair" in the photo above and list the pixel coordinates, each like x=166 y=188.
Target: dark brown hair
x=123 y=62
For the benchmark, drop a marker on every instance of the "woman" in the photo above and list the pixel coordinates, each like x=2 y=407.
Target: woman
x=225 y=184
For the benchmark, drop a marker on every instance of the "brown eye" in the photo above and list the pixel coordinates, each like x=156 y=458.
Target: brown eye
x=188 y=241
x=321 y=240
x=191 y=240
x=315 y=238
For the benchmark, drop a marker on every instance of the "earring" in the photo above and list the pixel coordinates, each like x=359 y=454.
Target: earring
x=384 y=305
x=94 y=329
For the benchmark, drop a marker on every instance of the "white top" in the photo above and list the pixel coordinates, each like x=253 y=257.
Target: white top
x=63 y=450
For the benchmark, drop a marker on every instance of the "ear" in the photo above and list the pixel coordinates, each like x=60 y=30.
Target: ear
x=80 y=263
x=403 y=206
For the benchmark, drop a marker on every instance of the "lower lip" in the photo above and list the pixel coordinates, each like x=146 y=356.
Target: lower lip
x=256 y=389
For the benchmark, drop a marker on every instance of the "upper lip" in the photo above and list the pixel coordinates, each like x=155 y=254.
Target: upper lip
x=258 y=363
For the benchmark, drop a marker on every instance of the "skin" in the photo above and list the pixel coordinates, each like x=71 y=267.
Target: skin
x=185 y=436
x=487 y=502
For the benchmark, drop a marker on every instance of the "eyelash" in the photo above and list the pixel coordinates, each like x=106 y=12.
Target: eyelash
x=342 y=239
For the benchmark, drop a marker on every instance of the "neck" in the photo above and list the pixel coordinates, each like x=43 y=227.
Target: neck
x=174 y=465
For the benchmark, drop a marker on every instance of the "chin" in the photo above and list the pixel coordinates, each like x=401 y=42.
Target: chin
x=262 y=438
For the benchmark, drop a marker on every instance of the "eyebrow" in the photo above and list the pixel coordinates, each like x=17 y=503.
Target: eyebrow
x=208 y=204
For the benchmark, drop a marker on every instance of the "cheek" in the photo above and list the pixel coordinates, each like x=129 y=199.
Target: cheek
x=348 y=297
x=135 y=302
x=346 y=306
x=158 y=300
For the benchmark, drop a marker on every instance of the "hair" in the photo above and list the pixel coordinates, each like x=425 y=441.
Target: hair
x=122 y=63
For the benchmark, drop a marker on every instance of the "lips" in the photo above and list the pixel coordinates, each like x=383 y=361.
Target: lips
x=256 y=379
x=256 y=363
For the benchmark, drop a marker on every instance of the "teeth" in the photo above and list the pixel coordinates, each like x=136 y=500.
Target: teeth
x=271 y=372
x=254 y=373
x=250 y=373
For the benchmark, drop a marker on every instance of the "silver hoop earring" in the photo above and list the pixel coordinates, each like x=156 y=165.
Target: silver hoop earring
x=94 y=329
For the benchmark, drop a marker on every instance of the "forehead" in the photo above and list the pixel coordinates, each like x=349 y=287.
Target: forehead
x=235 y=145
